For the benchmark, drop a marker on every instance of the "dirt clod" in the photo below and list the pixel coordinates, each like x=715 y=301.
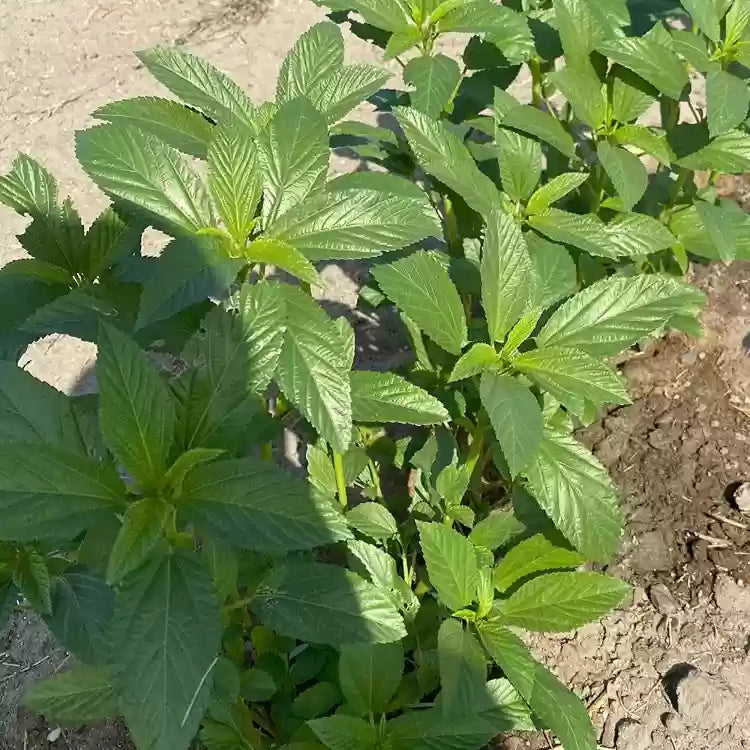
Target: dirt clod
x=662 y=599
x=706 y=702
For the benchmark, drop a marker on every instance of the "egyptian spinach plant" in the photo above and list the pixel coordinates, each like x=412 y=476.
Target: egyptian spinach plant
x=201 y=588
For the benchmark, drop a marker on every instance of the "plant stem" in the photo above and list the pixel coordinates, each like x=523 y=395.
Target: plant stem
x=451 y=227
x=536 y=82
x=241 y=604
x=338 y=468
x=266 y=451
x=375 y=476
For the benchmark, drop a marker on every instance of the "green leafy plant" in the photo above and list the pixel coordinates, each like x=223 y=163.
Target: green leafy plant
x=209 y=595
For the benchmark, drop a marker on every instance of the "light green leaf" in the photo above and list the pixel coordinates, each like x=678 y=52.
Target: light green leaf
x=631 y=97
x=340 y=93
x=737 y=21
x=435 y=80
x=705 y=17
x=496 y=530
x=178 y=126
x=559 y=602
x=198 y=83
x=323 y=603
x=254 y=505
x=139 y=168
x=441 y=154
x=369 y=674
x=47 y=493
x=350 y=224
x=582 y=25
x=652 y=61
x=384 y=397
x=315 y=57
x=451 y=564
x=615 y=313
x=479 y=358
x=420 y=286
x=136 y=412
x=575 y=491
x=573 y=378
x=554 y=190
x=533 y=555
x=313 y=371
x=584 y=91
x=184 y=464
x=382 y=182
x=463 y=670
x=645 y=139
x=28 y=188
x=234 y=179
x=626 y=171
x=723 y=234
x=548 y=698
x=507 y=274
x=373 y=520
x=391 y=15
x=81 y=696
x=728 y=153
x=728 y=100
x=520 y=160
x=556 y=273
x=165 y=638
x=341 y=732
x=520 y=332
x=142 y=527
x=293 y=151
x=693 y=47
x=282 y=255
x=541 y=125
x=515 y=416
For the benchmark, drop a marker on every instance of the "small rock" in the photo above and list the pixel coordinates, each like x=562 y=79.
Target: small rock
x=742 y=497
x=674 y=724
x=633 y=736
x=54 y=735
x=707 y=702
x=662 y=599
x=652 y=553
x=690 y=358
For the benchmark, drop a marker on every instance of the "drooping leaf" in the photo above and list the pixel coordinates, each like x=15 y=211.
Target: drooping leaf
x=507 y=274
x=178 y=126
x=479 y=358
x=369 y=674
x=198 y=83
x=441 y=154
x=384 y=397
x=47 y=493
x=139 y=168
x=645 y=139
x=515 y=416
x=313 y=371
x=165 y=638
x=627 y=172
x=323 y=603
x=728 y=153
x=435 y=80
x=254 y=505
x=614 y=313
x=463 y=670
x=727 y=99
x=558 y=602
x=82 y=695
x=451 y=562
x=420 y=286
x=576 y=492
x=281 y=254
x=136 y=412
x=373 y=520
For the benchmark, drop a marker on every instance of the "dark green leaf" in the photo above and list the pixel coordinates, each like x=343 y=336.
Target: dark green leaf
x=429 y=730
x=728 y=99
x=31 y=268
x=435 y=80
x=627 y=173
x=373 y=520
x=728 y=153
x=520 y=160
x=369 y=674
x=705 y=16
x=341 y=732
x=32 y=577
x=110 y=239
x=463 y=670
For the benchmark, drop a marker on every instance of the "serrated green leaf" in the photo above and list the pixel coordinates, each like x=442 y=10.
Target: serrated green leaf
x=369 y=674
x=548 y=698
x=441 y=154
x=234 y=179
x=284 y=256
x=728 y=153
x=556 y=189
x=627 y=172
x=110 y=239
x=556 y=273
x=451 y=564
x=723 y=234
x=582 y=24
x=313 y=371
x=558 y=602
x=82 y=695
x=435 y=80
x=479 y=358
x=28 y=188
x=520 y=162
x=615 y=313
x=652 y=61
x=198 y=83
x=429 y=730
x=737 y=21
x=323 y=603
x=507 y=274
x=728 y=100
x=31 y=575
x=496 y=530
x=352 y=224
x=165 y=638
x=254 y=505
x=184 y=464
x=584 y=91
x=645 y=139
x=41 y=270
x=384 y=397
x=178 y=126
x=576 y=492
x=420 y=286
x=47 y=493
x=136 y=412
x=139 y=168
x=515 y=416
x=705 y=16
x=340 y=93
x=533 y=555
x=341 y=732
x=573 y=377
x=463 y=670
x=541 y=125
x=693 y=47
x=142 y=527
x=382 y=182
x=391 y=15
x=373 y=520
x=293 y=151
